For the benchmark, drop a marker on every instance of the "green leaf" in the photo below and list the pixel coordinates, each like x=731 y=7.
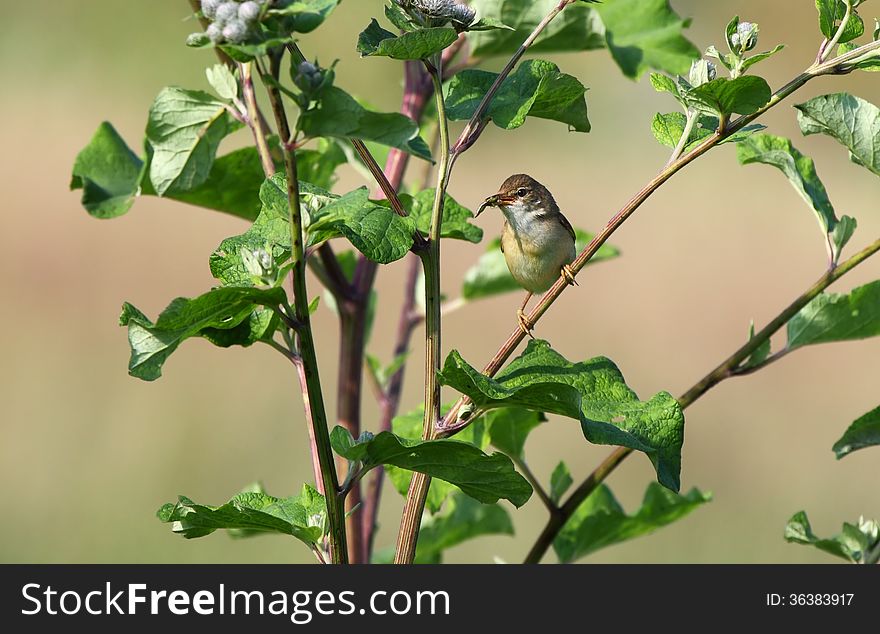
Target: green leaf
x=578 y=28
x=108 y=172
x=864 y=432
x=831 y=14
x=668 y=128
x=850 y=544
x=643 y=34
x=743 y=95
x=837 y=317
x=760 y=354
x=600 y=521
x=302 y=516
x=760 y=57
x=536 y=88
x=560 y=481
x=222 y=81
x=486 y=478
x=488 y=24
x=304 y=16
x=490 y=275
x=593 y=392
x=374 y=230
x=463 y=519
x=224 y=316
x=509 y=427
x=339 y=115
x=420 y=44
x=854 y=122
x=184 y=129
x=799 y=169
x=318 y=166
x=456 y=218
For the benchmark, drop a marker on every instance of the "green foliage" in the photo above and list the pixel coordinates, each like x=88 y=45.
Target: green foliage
x=486 y=478
x=490 y=275
x=856 y=543
x=600 y=520
x=339 y=115
x=837 y=317
x=668 y=128
x=831 y=14
x=801 y=173
x=456 y=218
x=509 y=427
x=593 y=392
x=536 y=88
x=864 y=432
x=760 y=354
x=303 y=516
x=560 y=481
x=223 y=316
x=184 y=130
x=724 y=97
x=854 y=122
x=419 y=44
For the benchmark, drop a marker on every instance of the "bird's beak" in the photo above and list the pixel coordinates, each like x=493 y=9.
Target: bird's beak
x=491 y=201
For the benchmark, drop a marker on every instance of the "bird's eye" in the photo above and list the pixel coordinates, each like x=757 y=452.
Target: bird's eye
x=521 y=192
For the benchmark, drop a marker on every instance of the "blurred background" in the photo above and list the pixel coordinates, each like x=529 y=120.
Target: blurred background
x=89 y=453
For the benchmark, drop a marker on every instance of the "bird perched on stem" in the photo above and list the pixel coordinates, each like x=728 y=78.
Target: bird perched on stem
x=537 y=240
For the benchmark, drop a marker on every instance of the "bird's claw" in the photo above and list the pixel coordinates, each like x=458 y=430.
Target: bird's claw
x=568 y=274
x=524 y=324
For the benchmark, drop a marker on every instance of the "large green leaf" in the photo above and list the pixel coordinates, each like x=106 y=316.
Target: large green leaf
x=593 y=392
x=743 y=95
x=536 y=88
x=668 y=128
x=837 y=317
x=184 y=129
x=463 y=519
x=108 y=172
x=854 y=122
x=643 y=34
x=864 y=432
x=490 y=275
x=801 y=173
x=302 y=516
x=456 y=218
x=339 y=115
x=509 y=427
x=578 y=28
x=853 y=543
x=831 y=14
x=600 y=520
x=486 y=478
x=419 y=44
x=224 y=316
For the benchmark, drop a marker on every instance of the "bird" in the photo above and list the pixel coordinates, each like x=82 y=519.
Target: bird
x=537 y=241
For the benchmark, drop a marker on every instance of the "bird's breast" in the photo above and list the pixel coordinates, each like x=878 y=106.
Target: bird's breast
x=536 y=252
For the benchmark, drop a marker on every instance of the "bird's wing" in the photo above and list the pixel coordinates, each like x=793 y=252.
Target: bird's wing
x=565 y=223
x=501 y=243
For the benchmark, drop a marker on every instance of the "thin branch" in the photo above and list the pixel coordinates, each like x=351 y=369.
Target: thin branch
x=692 y=117
x=536 y=485
x=724 y=370
x=829 y=47
x=255 y=121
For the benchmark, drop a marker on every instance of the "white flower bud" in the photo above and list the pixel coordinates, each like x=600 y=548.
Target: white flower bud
x=248 y=11
x=226 y=13
x=702 y=72
x=214 y=32
x=745 y=38
x=209 y=8
x=235 y=31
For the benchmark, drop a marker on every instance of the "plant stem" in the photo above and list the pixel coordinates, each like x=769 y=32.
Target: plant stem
x=827 y=50
x=450 y=425
x=536 y=485
x=685 y=135
x=418 y=490
x=725 y=370
x=255 y=120
x=312 y=394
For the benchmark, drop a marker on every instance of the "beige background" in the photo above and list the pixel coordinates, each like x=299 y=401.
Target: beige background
x=89 y=453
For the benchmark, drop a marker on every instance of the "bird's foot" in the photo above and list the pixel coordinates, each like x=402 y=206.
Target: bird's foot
x=524 y=324
x=568 y=274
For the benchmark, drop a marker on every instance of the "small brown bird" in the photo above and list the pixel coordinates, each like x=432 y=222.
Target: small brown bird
x=537 y=240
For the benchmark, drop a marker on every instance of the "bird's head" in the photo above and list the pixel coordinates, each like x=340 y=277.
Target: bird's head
x=522 y=196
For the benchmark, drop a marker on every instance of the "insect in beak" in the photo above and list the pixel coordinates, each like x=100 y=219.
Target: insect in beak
x=491 y=201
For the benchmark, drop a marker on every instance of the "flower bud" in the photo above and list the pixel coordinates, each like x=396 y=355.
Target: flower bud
x=209 y=8
x=439 y=11
x=702 y=72
x=248 y=11
x=745 y=38
x=214 y=32
x=235 y=31
x=197 y=39
x=226 y=12
x=309 y=77
x=259 y=263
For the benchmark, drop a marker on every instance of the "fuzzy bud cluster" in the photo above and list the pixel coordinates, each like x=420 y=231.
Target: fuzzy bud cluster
x=745 y=38
x=230 y=20
x=439 y=12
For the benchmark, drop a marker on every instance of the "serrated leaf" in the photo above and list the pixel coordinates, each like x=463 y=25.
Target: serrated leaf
x=456 y=218
x=850 y=544
x=800 y=171
x=108 y=172
x=184 y=130
x=418 y=44
x=224 y=316
x=864 y=432
x=490 y=275
x=536 y=88
x=486 y=478
x=743 y=95
x=339 y=115
x=831 y=13
x=600 y=521
x=837 y=317
x=578 y=28
x=853 y=122
x=643 y=34
x=593 y=392
x=560 y=481
x=509 y=427
x=301 y=516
